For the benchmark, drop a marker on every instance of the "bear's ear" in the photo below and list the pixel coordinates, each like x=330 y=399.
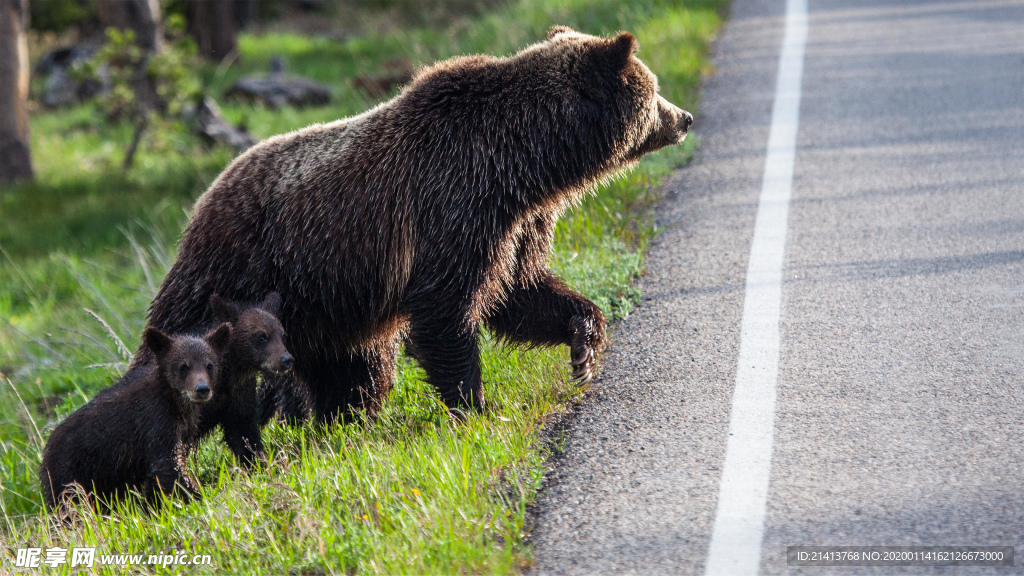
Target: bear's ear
x=219 y=339
x=158 y=342
x=223 y=310
x=617 y=51
x=559 y=29
x=272 y=303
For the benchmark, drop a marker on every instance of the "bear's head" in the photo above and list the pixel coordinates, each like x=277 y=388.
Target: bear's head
x=610 y=90
x=257 y=341
x=188 y=365
x=557 y=116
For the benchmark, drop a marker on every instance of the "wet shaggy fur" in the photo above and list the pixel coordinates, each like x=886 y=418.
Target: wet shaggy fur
x=428 y=216
x=139 y=432
x=256 y=346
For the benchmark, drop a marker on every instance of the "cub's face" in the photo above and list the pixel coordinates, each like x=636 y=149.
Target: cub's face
x=189 y=364
x=260 y=338
x=257 y=340
x=193 y=372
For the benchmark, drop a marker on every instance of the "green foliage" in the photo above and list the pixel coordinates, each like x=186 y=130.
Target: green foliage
x=143 y=87
x=172 y=70
x=421 y=12
x=411 y=492
x=116 y=64
x=59 y=15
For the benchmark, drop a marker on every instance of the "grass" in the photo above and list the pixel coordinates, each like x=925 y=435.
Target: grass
x=411 y=492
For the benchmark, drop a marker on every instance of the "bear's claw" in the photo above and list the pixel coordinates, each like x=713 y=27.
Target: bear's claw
x=583 y=371
x=587 y=344
x=576 y=363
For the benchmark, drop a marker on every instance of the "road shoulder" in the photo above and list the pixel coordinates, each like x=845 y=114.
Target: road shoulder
x=635 y=488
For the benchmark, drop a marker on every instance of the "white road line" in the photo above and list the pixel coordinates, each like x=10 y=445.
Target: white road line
x=735 y=548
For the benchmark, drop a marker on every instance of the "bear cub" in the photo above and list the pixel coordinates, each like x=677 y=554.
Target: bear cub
x=256 y=347
x=139 y=432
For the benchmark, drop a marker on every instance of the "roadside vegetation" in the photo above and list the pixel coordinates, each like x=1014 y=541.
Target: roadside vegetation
x=84 y=247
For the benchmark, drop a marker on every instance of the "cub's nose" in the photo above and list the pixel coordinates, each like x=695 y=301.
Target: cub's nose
x=202 y=390
x=686 y=120
x=286 y=362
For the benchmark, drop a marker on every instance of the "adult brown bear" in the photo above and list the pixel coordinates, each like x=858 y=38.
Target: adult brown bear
x=427 y=216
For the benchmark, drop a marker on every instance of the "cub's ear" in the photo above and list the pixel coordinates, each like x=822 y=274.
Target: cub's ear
x=558 y=29
x=272 y=303
x=158 y=342
x=224 y=310
x=219 y=339
x=617 y=51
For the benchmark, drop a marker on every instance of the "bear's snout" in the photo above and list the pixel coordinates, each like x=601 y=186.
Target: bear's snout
x=202 y=391
x=686 y=121
x=674 y=120
x=279 y=364
x=673 y=125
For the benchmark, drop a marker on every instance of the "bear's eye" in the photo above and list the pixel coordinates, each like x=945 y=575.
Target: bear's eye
x=262 y=338
x=209 y=367
x=183 y=369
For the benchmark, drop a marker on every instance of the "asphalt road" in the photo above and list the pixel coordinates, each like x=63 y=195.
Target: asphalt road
x=899 y=409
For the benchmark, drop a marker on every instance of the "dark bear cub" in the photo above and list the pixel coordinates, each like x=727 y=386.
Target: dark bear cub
x=256 y=346
x=139 y=432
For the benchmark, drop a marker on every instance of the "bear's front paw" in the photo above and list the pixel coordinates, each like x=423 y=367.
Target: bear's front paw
x=464 y=397
x=587 y=342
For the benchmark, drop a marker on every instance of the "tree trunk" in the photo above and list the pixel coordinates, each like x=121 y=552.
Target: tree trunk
x=212 y=24
x=140 y=16
x=15 y=156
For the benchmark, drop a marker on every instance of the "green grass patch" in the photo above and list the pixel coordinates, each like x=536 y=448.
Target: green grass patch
x=85 y=247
